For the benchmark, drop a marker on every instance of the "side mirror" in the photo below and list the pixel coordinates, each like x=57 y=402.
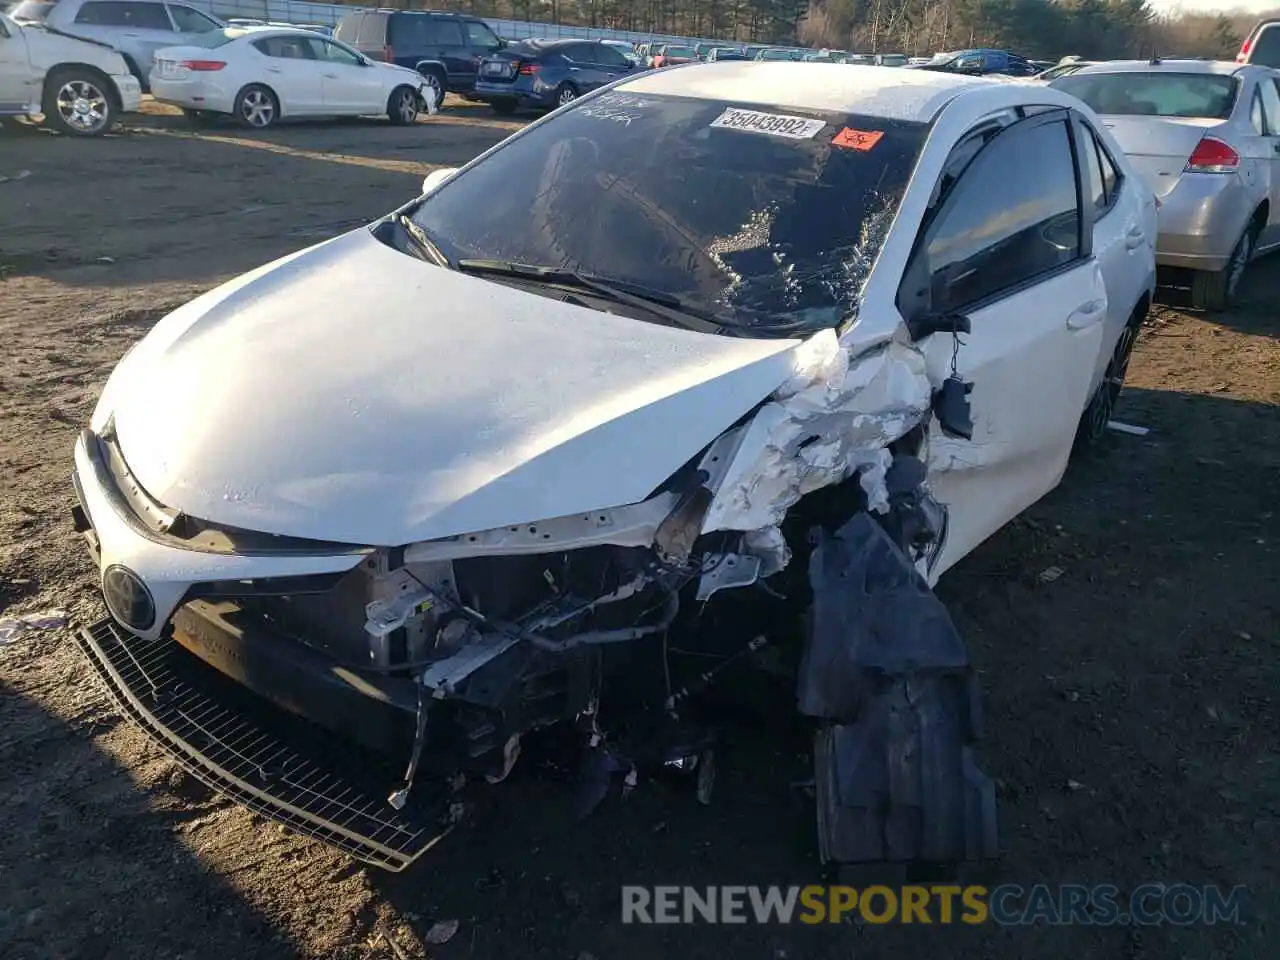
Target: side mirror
x=437 y=177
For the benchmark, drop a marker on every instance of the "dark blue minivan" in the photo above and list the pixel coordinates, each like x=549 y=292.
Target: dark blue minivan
x=548 y=73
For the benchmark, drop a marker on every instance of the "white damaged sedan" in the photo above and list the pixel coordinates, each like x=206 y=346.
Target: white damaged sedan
x=712 y=347
x=260 y=75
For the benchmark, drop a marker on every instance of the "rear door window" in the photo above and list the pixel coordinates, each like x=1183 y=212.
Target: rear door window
x=373 y=30
x=1269 y=90
x=286 y=48
x=1266 y=47
x=443 y=33
x=121 y=13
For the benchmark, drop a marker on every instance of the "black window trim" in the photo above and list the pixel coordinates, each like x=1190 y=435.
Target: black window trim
x=1087 y=133
x=1084 y=250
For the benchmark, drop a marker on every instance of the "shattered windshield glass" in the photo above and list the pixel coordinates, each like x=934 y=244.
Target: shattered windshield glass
x=768 y=219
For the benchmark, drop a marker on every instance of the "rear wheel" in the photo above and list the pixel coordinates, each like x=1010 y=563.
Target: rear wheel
x=256 y=107
x=1093 y=423
x=1215 y=290
x=566 y=94
x=402 y=106
x=79 y=102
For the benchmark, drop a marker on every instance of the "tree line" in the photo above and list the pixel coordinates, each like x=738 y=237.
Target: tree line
x=1048 y=29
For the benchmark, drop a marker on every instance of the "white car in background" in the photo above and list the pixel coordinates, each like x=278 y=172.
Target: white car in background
x=260 y=75
x=810 y=323
x=78 y=86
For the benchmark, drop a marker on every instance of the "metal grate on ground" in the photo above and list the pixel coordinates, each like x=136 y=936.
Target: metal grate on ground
x=235 y=756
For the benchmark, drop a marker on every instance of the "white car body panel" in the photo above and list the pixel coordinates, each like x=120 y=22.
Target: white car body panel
x=517 y=408
x=29 y=52
x=451 y=406
x=304 y=87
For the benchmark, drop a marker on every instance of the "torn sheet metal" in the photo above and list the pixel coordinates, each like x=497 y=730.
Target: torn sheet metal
x=832 y=419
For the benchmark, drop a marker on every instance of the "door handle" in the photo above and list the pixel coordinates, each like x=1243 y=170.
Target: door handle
x=273 y=69
x=1276 y=147
x=331 y=76
x=573 y=69
x=1087 y=314
x=1134 y=238
x=130 y=36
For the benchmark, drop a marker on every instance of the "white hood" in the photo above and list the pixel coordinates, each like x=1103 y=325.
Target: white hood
x=352 y=393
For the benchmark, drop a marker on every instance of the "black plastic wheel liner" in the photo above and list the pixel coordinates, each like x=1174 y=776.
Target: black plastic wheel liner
x=279 y=766
x=888 y=676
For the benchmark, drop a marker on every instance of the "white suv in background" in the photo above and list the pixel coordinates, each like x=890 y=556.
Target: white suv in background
x=137 y=28
x=80 y=87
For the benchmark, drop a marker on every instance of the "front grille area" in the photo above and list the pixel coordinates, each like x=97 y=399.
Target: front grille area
x=276 y=765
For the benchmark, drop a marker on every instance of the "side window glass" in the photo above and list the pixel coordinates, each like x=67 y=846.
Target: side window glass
x=1095 y=188
x=1271 y=106
x=285 y=48
x=1255 y=115
x=1011 y=216
x=94 y=14
x=336 y=54
x=1110 y=176
x=148 y=16
x=445 y=33
x=188 y=20
x=479 y=35
x=610 y=56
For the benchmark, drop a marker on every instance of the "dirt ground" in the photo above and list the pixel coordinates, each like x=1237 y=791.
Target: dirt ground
x=1131 y=719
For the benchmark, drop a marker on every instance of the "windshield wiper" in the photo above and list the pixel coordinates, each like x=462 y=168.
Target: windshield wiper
x=665 y=305
x=421 y=240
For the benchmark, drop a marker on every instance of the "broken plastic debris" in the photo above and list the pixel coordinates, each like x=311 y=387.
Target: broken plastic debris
x=1121 y=427
x=13 y=627
x=441 y=932
x=831 y=420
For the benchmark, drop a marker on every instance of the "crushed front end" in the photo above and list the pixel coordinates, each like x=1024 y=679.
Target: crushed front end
x=439 y=658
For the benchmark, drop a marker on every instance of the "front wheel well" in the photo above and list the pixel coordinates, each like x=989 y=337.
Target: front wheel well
x=108 y=85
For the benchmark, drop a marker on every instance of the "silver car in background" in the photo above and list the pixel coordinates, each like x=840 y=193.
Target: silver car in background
x=137 y=28
x=1205 y=137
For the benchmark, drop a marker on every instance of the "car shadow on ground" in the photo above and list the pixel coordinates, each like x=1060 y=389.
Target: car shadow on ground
x=1170 y=535
x=1254 y=310
x=74 y=824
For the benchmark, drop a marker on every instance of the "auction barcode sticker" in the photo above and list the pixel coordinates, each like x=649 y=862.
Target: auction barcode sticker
x=774 y=124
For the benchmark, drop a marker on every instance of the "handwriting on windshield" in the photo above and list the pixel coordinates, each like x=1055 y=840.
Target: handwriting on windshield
x=619 y=107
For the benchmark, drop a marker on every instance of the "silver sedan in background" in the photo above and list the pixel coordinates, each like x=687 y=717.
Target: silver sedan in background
x=1205 y=137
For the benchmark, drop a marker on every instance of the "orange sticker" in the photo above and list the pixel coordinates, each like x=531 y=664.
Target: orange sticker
x=857 y=139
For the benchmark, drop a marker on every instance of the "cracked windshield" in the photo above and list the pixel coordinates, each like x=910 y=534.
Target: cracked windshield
x=766 y=219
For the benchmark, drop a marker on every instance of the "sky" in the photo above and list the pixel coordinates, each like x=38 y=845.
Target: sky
x=1214 y=6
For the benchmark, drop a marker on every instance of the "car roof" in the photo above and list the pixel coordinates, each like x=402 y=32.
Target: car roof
x=1223 y=68
x=845 y=88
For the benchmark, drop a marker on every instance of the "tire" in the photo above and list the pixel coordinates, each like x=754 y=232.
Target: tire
x=503 y=108
x=200 y=118
x=256 y=107
x=1096 y=416
x=402 y=107
x=1216 y=290
x=436 y=83
x=79 y=102
x=566 y=94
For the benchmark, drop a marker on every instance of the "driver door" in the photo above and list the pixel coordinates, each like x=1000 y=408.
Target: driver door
x=348 y=85
x=1008 y=246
